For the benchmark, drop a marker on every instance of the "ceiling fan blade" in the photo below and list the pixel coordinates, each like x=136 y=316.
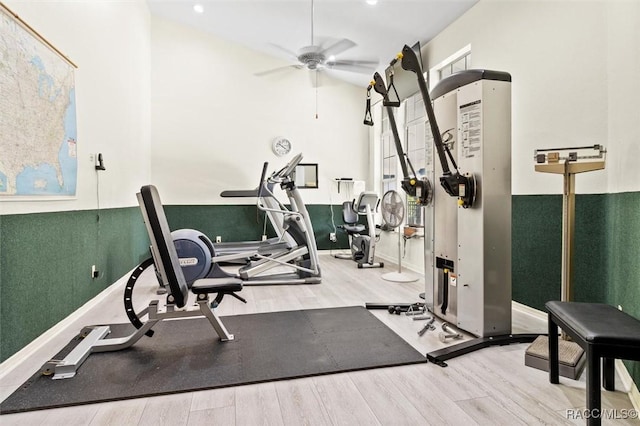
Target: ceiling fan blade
x=371 y=63
x=351 y=67
x=291 y=55
x=276 y=70
x=338 y=47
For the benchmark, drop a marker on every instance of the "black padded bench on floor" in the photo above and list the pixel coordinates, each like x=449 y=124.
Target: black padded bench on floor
x=604 y=332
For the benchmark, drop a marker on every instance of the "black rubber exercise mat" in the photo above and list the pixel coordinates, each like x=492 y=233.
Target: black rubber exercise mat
x=186 y=355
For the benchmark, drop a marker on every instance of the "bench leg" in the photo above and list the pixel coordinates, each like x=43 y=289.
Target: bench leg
x=554 y=368
x=609 y=374
x=593 y=388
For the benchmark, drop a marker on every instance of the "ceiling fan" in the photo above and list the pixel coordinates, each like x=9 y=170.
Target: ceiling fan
x=315 y=57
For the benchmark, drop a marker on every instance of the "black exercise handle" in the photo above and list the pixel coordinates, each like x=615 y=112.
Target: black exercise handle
x=389 y=102
x=445 y=291
x=410 y=63
x=368 y=120
x=379 y=87
x=263 y=176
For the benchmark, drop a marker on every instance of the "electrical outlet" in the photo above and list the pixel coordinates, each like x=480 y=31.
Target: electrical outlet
x=264 y=238
x=332 y=237
x=94 y=272
x=218 y=239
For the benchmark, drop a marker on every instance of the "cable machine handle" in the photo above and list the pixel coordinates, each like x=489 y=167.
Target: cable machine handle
x=388 y=101
x=368 y=120
x=379 y=87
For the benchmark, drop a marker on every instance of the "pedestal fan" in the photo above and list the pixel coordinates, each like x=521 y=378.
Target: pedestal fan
x=392 y=208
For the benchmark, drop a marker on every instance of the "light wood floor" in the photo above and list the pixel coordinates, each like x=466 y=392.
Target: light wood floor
x=491 y=386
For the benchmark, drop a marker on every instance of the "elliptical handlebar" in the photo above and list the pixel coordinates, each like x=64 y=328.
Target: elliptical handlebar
x=282 y=176
x=288 y=169
x=263 y=176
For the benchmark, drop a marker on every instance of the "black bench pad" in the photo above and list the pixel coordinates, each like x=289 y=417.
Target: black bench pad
x=216 y=285
x=598 y=323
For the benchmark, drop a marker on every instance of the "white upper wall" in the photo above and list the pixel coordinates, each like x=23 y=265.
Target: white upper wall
x=109 y=41
x=213 y=120
x=623 y=81
x=574 y=66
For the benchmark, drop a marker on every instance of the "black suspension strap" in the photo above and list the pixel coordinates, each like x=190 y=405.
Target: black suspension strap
x=368 y=120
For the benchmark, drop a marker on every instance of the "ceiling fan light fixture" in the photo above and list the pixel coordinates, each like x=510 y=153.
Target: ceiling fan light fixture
x=198 y=8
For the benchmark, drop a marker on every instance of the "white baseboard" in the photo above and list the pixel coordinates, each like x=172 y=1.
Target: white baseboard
x=627 y=382
x=378 y=258
x=634 y=395
x=528 y=310
x=621 y=369
x=38 y=343
x=405 y=265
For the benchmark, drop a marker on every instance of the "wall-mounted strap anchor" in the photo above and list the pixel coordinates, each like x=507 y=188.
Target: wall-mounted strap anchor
x=99 y=162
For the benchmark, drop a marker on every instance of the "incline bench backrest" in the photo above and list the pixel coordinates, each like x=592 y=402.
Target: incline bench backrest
x=163 y=249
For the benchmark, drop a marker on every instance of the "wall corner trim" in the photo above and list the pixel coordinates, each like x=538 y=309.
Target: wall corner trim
x=528 y=310
x=628 y=383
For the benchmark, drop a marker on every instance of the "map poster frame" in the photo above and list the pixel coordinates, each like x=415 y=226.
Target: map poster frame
x=38 y=124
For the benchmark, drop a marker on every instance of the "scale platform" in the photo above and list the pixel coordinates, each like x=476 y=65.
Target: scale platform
x=571 y=357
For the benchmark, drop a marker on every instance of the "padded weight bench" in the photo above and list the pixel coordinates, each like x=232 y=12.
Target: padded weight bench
x=604 y=332
x=167 y=265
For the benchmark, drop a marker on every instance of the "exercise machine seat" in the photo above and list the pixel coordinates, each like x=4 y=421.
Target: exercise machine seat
x=216 y=285
x=350 y=219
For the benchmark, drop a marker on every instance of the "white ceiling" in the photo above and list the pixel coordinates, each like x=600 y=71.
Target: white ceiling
x=276 y=26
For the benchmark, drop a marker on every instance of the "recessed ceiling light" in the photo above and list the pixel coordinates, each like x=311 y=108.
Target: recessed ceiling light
x=372 y=2
x=198 y=8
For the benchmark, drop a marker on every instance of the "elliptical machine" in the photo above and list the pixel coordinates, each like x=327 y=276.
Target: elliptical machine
x=283 y=263
x=363 y=246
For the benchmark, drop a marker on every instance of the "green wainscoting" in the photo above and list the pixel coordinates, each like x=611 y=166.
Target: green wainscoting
x=246 y=223
x=623 y=258
x=45 y=267
x=537 y=248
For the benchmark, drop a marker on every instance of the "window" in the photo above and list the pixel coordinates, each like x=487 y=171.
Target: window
x=389 y=156
x=460 y=64
x=416 y=150
x=459 y=61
